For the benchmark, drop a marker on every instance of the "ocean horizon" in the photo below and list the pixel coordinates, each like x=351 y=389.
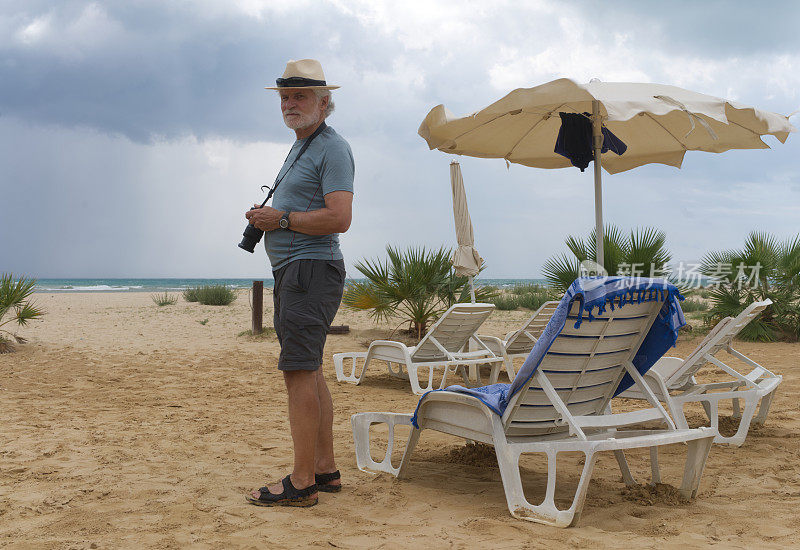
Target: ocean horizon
x=180 y=284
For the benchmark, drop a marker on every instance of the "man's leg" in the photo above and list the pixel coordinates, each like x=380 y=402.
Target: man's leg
x=325 y=462
x=304 y=419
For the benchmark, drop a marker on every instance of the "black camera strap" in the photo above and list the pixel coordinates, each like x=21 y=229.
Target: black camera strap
x=278 y=179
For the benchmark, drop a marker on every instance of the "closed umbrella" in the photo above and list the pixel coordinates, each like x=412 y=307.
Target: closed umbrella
x=466 y=260
x=658 y=123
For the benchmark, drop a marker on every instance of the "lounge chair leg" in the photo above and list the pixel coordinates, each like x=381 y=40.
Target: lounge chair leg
x=656 y=472
x=413 y=377
x=338 y=365
x=707 y=408
x=361 y=423
x=465 y=376
x=750 y=404
x=396 y=373
x=695 y=463
x=546 y=512
x=494 y=375
x=766 y=401
x=627 y=477
x=412 y=443
x=737 y=411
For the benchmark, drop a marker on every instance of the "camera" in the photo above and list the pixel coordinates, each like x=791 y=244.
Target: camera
x=250 y=237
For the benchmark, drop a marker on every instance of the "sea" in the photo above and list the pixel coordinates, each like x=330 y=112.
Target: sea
x=177 y=285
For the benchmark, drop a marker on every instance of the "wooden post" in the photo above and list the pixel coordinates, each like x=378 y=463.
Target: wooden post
x=258 y=306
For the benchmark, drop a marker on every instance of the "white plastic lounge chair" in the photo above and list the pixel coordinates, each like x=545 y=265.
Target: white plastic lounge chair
x=520 y=342
x=563 y=407
x=672 y=379
x=441 y=347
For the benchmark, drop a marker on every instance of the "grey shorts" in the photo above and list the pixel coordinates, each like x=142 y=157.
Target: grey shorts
x=306 y=296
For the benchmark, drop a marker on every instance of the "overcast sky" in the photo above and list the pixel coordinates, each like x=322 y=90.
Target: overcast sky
x=134 y=135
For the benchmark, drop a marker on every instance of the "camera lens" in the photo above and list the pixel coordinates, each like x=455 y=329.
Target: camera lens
x=250 y=238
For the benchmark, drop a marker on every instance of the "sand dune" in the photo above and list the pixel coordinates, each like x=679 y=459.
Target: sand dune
x=129 y=425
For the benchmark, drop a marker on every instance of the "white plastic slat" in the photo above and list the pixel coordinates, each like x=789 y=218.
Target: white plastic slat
x=591 y=378
x=543 y=414
x=537 y=397
x=453 y=332
x=597 y=327
x=554 y=362
x=565 y=344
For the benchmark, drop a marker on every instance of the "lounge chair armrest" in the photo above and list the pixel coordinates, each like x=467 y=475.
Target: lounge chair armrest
x=389 y=350
x=665 y=367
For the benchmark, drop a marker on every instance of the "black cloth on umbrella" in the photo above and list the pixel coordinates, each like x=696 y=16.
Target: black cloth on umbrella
x=574 y=140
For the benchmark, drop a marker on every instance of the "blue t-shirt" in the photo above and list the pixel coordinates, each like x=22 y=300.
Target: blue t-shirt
x=326 y=166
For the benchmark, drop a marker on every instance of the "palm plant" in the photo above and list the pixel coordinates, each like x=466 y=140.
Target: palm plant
x=764 y=268
x=14 y=296
x=415 y=284
x=643 y=249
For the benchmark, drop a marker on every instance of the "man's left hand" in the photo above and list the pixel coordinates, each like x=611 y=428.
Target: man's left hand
x=265 y=219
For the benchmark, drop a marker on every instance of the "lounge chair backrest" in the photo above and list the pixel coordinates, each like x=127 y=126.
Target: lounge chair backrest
x=719 y=338
x=584 y=365
x=520 y=341
x=452 y=331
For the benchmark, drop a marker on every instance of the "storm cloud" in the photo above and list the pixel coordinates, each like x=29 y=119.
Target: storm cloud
x=134 y=135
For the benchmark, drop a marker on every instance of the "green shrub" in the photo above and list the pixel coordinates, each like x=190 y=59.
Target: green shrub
x=526 y=288
x=190 y=294
x=415 y=284
x=215 y=295
x=533 y=300
x=15 y=299
x=691 y=305
x=642 y=250
x=505 y=302
x=764 y=268
x=164 y=299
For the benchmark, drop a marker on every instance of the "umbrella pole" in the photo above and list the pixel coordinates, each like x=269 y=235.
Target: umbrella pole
x=597 y=142
x=471 y=290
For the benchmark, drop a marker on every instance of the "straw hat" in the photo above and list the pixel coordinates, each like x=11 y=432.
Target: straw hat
x=305 y=73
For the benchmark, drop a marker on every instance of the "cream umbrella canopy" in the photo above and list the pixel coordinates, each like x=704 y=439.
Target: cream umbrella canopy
x=466 y=260
x=658 y=123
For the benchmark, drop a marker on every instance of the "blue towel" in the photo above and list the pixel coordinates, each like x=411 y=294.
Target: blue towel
x=591 y=293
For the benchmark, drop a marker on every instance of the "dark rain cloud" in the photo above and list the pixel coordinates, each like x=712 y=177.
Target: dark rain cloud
x=155 y=69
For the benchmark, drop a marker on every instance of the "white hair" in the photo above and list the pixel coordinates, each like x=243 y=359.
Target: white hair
x=330 y=107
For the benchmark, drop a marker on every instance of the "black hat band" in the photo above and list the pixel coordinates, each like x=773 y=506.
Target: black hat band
x=298 y=82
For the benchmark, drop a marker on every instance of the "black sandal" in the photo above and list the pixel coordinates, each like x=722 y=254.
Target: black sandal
x=323 y=482
x=289 y=497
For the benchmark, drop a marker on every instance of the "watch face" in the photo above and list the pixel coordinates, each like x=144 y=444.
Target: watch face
x=284 y=223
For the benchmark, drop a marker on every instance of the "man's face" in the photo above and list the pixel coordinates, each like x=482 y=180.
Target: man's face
x=300 y=108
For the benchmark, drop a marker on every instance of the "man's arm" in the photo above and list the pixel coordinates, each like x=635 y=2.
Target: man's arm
x=335 y=217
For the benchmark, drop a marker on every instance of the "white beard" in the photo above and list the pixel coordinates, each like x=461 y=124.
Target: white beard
x=301 y=121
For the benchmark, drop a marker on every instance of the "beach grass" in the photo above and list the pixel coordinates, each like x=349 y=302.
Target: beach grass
x=527 y=295
x=691 y=305
x=506 y=302
x=210 y=295
x=164 y=299
x=190 y=294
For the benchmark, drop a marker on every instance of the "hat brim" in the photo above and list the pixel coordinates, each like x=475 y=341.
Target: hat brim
x=301 y=87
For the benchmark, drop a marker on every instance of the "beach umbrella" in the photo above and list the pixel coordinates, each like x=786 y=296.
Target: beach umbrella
x=657 y=123
x=466 y=260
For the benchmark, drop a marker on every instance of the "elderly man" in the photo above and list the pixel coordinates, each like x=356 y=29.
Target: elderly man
x=312 y=204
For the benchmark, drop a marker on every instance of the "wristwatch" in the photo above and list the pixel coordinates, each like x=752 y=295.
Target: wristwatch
x=284 y=221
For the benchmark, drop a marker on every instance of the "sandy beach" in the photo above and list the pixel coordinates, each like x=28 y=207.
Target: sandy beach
x=128 y=425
